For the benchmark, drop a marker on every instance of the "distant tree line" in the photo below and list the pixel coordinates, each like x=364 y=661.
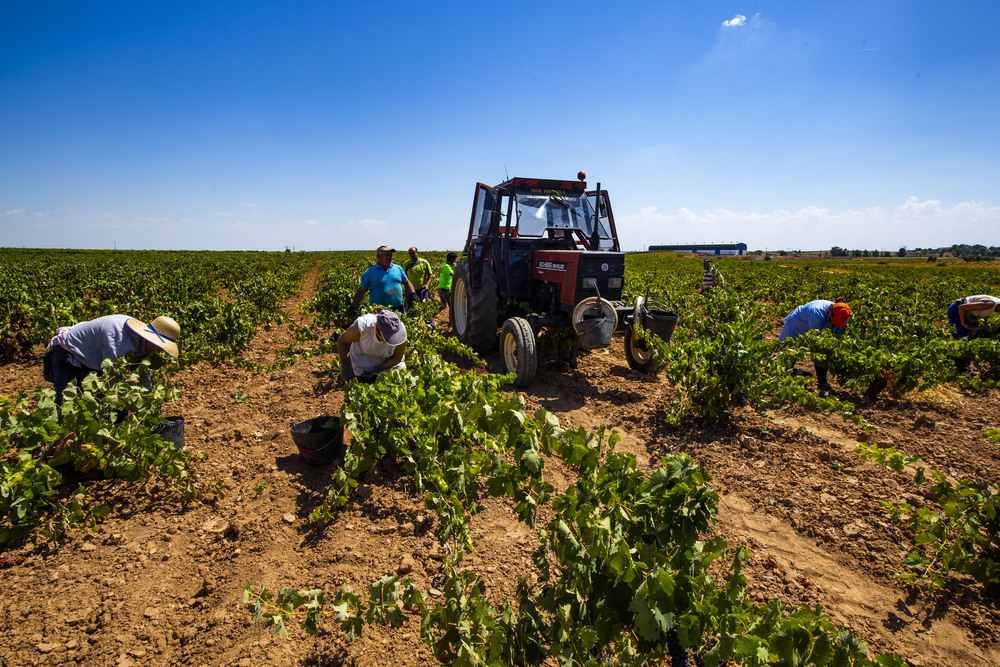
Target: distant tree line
x=970 y=253
x=837 y=251
x=975 y=253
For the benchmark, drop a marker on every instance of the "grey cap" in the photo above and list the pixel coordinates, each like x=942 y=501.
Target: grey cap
x=391 y=327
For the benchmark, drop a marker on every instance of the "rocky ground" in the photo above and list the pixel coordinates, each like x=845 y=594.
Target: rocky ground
x=161 y=584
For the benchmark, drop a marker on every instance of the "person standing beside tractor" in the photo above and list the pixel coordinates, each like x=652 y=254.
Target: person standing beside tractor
x=444 y=282
x=711 y=277
x=79 y=350
x=375 y=342
x=965 y=315
x=819 y=314
x=386 y=282
x=419 y=272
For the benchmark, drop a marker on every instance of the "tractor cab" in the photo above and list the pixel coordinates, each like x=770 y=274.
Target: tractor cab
x=549 y=242
x=541 y=254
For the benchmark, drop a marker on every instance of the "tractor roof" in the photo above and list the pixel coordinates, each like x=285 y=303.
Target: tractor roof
x=544 y=183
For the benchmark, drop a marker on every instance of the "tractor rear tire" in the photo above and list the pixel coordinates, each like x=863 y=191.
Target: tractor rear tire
x=637 y=355
x=517 y=349
x=474 y=309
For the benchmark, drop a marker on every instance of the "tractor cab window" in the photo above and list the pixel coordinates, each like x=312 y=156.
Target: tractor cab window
x=556 y=214
x=481 y=214
x=603 y=219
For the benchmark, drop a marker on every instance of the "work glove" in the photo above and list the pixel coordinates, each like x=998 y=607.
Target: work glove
x=346 y=373
x=351 y=314
x=369 y=374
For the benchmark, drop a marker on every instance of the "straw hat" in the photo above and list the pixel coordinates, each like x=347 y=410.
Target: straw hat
x=162 y=332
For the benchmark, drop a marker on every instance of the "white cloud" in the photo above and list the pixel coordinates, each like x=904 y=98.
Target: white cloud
x=10 y=213
x=914 y=223
x=745 y=44
x=914 y=207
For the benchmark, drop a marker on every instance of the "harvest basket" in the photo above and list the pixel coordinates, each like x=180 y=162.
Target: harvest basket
x=658 y=320
x=595 y=320
x=320 y=440
x=171 y=429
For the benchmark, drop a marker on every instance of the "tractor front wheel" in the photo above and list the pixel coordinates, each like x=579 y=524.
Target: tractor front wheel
x=474 y=309
x=637 y=355
x=517 y=347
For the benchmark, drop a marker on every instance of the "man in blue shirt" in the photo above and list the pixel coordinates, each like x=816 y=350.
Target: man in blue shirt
x=385 y=281
x=819 y=314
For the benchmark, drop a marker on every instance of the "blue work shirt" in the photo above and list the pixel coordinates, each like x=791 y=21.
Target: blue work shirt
x=106 y=337
x=812 y=315
x=385 y=286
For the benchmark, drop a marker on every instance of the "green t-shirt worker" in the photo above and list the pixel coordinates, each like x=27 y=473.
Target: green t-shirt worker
x=420 y=274
x=444 y=282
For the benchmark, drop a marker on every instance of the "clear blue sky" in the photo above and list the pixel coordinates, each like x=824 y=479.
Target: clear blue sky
x=259 y=125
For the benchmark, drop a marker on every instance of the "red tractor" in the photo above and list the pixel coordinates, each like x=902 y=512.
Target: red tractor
x=544 y=254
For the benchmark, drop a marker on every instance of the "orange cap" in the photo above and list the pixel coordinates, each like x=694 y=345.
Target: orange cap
x=841 y=313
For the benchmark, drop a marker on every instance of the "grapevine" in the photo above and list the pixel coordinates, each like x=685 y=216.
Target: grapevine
x=86 y=434
x=962 y=534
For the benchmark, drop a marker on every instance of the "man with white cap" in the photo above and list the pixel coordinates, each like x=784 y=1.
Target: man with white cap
x=967 y=316
x=375 y=343
x=386 y=282
x=76 y=351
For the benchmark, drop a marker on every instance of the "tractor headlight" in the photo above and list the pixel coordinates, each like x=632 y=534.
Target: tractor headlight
x=614 y=283
x=590 y=283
